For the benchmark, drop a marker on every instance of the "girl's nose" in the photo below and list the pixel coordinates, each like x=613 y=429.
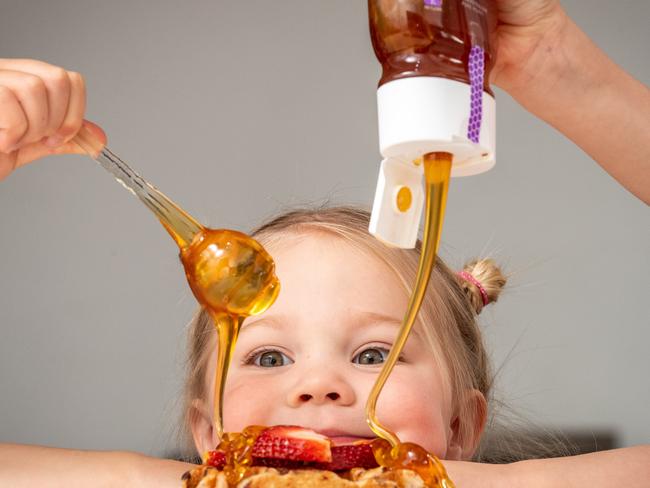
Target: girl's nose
x=321 y=387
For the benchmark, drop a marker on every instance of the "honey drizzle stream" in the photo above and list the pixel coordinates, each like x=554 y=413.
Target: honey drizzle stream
x=230 y=274
x=437 y=169
x=228 y=327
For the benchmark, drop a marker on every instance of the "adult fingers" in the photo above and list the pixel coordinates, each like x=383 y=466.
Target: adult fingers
x=74 y=115
x=57 y=86
x=31 y=93
x=13 y=122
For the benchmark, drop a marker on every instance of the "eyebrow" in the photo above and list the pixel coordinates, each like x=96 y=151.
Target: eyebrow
x=274 y=322
x=371 y=318
x=361 y=319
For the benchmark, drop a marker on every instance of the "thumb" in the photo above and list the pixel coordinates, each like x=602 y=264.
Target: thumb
x=37 y=150
x=95 y=130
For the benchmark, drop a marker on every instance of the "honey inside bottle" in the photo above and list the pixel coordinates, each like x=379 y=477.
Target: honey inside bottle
x=431 y=37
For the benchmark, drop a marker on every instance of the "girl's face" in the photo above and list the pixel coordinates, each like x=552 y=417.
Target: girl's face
x=313 y=357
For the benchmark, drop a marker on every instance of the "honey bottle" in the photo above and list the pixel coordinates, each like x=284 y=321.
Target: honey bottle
x=433 y=97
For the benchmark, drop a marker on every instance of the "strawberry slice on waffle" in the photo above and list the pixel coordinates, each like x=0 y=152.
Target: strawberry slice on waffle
x=293 y=447
x=292 y=443
x=348 y=456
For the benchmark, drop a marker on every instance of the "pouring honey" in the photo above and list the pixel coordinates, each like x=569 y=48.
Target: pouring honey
x=436 y=119
x=231 y=275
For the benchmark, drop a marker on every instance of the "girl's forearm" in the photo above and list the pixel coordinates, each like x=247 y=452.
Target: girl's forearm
x=571 y=84
x=28 y=466
x=158 y=473
x=629 y=467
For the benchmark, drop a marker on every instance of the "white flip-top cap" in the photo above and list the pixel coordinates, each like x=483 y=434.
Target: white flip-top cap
x=416 y=116
x=394 y=225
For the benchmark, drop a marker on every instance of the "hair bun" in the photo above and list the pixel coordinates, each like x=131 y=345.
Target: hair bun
x=488 y=276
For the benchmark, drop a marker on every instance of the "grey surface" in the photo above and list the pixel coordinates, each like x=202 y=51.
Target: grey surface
x=237 y=108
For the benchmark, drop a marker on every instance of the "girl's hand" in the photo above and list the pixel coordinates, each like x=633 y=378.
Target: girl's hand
x=41 y=110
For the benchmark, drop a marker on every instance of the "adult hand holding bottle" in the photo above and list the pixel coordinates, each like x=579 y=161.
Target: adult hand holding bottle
x=550 y=66
x=41 y=110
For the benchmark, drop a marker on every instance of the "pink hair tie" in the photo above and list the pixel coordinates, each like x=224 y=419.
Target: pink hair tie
x=468 y=277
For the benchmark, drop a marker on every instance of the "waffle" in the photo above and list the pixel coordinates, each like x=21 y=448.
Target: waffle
x=262 y=477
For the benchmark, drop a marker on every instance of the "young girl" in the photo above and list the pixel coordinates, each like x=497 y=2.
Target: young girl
x=312 y=357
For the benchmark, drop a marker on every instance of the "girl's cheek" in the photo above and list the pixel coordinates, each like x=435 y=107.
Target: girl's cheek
x=417 y=414
x=248 y=401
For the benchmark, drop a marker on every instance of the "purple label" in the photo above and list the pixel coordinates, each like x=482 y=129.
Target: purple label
x=476 y=68
x=433 y=3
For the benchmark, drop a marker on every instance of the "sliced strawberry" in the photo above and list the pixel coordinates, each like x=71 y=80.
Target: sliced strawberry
x=293 y=443
x=216 y=459
x=350 y=456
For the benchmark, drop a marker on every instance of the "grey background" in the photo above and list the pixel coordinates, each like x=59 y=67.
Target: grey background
x=237 y=109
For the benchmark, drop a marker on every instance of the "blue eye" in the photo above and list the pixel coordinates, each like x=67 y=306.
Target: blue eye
x=371 y=356
x=270 y=359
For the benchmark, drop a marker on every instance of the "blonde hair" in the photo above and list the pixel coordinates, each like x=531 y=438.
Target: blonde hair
x=447 y=317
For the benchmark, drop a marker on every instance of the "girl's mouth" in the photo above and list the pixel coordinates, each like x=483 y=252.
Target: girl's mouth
x=343 y=439
x=339 y=437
